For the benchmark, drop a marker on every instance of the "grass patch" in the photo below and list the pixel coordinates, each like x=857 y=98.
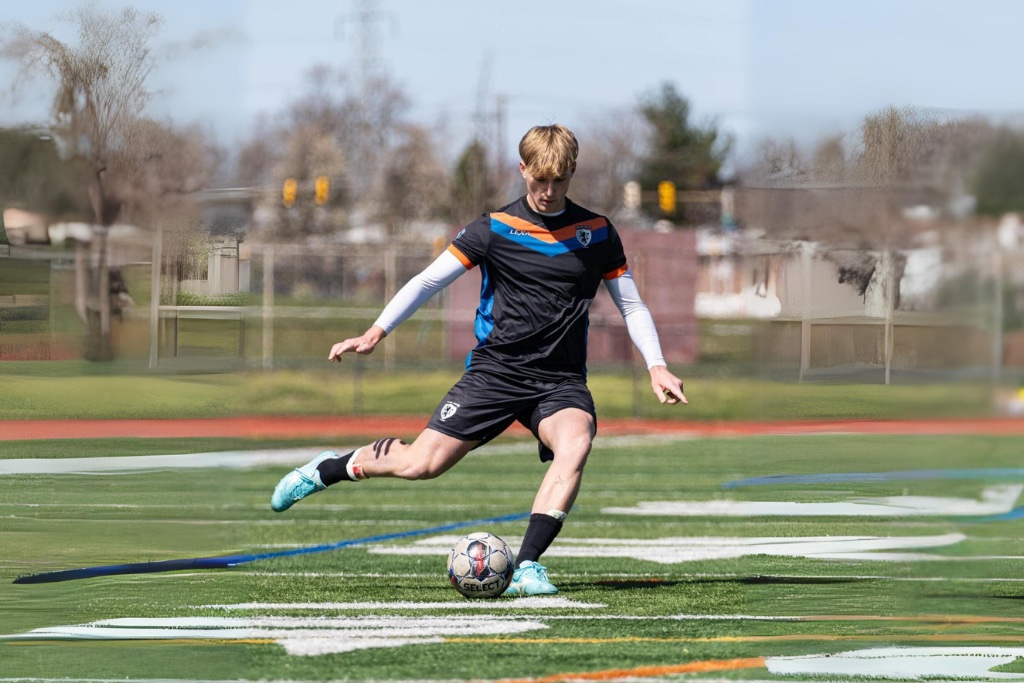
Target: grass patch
x=102 y=519
x=54 y=390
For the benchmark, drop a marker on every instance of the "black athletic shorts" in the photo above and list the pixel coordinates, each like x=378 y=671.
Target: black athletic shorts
x=482 y=405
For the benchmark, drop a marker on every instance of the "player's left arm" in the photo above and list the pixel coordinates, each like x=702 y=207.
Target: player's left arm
x=640 y=325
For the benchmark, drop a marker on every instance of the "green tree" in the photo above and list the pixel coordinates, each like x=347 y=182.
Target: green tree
x=472 y=187
x=999 y=181
x=678 y=150
x=35 y=178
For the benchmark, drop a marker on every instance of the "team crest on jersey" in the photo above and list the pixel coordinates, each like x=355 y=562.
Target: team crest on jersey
x=448 y=410
x=583 y=236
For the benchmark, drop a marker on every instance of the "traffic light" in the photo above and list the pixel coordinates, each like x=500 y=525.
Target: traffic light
x=289 y=191
x=322 y=189
x=667 y=197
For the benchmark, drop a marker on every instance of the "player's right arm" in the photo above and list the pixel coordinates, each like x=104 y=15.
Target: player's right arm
x=445 y=269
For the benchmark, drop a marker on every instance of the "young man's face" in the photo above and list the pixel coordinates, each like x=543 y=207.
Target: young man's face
x=546 y=195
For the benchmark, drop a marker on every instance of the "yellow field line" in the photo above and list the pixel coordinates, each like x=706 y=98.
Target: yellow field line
x=929 y=618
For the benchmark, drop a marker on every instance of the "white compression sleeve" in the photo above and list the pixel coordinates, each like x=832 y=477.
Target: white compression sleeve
x=445 y=269
x=639 y=322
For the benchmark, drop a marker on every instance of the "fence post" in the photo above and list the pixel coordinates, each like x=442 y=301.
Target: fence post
x=154 y=296
x=390 y=288
x=268 y=307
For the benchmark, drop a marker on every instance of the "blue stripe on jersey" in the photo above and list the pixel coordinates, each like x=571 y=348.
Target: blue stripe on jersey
x=484 y=322
x=547 y=248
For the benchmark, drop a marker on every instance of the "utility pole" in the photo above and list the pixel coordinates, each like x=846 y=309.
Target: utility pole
x=499 y=143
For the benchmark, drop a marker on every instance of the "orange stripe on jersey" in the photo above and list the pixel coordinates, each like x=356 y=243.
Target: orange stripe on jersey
x=544 y=235
x=454 y=251
x=517 y=223
x=569 y=231
x=618 y=272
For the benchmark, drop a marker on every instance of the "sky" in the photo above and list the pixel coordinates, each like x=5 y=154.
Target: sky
x=755 y=68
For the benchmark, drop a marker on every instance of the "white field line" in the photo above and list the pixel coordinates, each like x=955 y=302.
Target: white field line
x=535 y=602
x=141 y=463
x=228 y=507
x=283 y=680
x=144 y=680
x=904 y=662
x=251 y=459
x=401 y=523
x=994 y=500
x=650 y=575
x=517 y=604
x=418 y=680
x=385 y=680
x=671 y=550
x=301 y=636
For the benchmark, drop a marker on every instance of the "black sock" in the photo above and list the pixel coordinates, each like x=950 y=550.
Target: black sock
x=539 y=535
x=333 y=470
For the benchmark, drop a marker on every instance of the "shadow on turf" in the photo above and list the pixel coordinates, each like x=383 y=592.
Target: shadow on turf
x=632 y=584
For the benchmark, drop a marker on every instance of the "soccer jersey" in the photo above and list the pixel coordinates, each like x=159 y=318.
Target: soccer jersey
x=539 y=275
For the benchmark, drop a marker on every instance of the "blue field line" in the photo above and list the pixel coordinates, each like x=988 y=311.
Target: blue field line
x=843 y=477
x=1008 y=516
x=224 y=561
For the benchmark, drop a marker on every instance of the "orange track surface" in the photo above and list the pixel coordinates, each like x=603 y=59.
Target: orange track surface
x=269 y=427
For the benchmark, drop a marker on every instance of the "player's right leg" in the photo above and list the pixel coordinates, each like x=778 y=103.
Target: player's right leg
x=429 y=456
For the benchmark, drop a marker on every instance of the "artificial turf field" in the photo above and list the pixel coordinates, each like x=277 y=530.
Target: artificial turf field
x=650 y=588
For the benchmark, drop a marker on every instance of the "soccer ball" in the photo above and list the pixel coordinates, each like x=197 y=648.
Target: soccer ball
x=480 y=565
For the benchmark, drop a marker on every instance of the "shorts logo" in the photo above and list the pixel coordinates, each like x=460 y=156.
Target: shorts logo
x=583 y=236
x=448 y=410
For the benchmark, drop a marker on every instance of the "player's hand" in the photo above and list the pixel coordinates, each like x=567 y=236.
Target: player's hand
x=667 y=387
x=361 y=345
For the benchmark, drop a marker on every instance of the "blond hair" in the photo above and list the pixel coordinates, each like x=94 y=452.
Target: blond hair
x=549 y=151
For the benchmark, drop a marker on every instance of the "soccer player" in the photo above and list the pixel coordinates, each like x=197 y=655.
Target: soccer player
x=542 y=258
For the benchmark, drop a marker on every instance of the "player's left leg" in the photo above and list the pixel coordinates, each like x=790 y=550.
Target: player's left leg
x=569 y=434
x=429 y=456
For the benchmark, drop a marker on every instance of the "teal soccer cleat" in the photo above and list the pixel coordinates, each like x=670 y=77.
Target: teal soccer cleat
x=530 y=579
x=299 y=483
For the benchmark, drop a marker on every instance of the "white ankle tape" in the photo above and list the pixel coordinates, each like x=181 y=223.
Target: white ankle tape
x=355 y=472
x=557 y=514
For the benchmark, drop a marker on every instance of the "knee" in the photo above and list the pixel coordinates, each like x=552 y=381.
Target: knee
x=418 y=472
x=574 y=451
x=420 y=468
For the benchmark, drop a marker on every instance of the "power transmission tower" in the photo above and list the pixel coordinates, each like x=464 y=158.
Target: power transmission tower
x=368 y=19
x=489 y=123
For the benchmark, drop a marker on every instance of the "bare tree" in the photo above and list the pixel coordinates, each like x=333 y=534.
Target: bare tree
x=158 y=168
x=98 y=119
x=413 y=182
x=852 y=196
x=342 y=130
x=610 y=152
x=829 y=163
x=99 y=84
x=779 y=161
